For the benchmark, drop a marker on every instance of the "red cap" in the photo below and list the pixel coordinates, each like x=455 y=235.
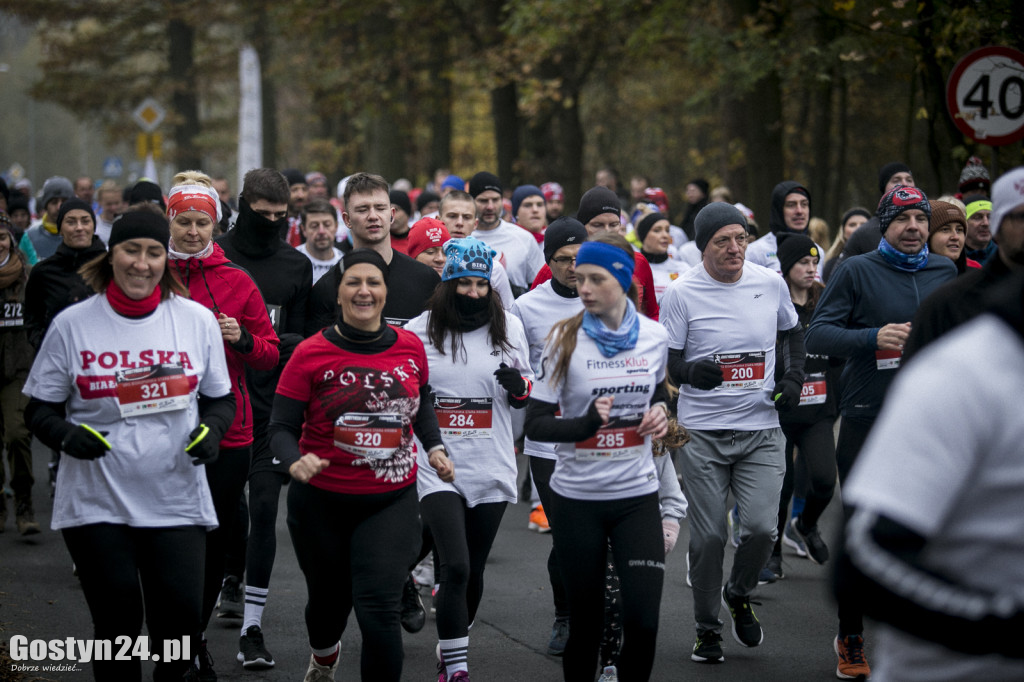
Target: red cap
x=425 y=234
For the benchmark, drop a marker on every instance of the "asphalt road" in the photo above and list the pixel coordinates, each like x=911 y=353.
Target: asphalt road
x=40 y=598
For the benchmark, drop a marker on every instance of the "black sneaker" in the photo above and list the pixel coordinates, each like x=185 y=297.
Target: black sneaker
x=708 y=647
x=745 y=628
x=817 y=550
x=206 y=671
x=559 y=637
x=231 y=603
x=772 y=570
x=251 y=652
x=414 y=617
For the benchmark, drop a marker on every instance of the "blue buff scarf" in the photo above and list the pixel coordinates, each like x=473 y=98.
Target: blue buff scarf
x=612 y=342
x=903 y=261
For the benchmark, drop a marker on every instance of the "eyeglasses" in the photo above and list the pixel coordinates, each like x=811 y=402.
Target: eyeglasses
x=564 y=260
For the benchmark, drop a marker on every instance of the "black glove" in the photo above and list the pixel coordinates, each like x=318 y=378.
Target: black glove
x=203 y=445
x=705 y=375
x=85 y=442
x=511 y=380
x=286 y=346
x=787 y=394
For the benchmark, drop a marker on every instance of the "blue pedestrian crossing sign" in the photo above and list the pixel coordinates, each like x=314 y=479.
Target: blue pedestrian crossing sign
x=112 y=167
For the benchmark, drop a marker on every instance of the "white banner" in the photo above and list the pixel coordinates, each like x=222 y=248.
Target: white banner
x=250 y=113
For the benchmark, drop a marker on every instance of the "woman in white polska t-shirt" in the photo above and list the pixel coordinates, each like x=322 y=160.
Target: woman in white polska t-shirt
x=611 y=453
x=479 y=370
x=131 y=499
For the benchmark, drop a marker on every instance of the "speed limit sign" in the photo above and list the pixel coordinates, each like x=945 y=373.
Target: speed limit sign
x=985 y=95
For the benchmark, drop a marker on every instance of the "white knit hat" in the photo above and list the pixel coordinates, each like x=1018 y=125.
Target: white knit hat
x=1007 y=194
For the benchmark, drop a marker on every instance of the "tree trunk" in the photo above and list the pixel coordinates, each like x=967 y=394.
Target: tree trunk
x=184 y=104
x=505 y=114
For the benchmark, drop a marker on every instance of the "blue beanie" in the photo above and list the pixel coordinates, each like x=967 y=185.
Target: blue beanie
x=520 y=195
x=611 y=258
x=467 y=257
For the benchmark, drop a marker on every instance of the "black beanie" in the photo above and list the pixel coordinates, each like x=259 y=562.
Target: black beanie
x=139 y=224
x=483 y=181
x=792 y=247
x=294 y=176
x=425 y=198
x=856 y=210
x=889 y=170
x=143 y=191
x=561 y=232
x=645 y=225
x=370 y=256
x=72 y=204
x=401 y=199
x=596 y=201
x=713 y=218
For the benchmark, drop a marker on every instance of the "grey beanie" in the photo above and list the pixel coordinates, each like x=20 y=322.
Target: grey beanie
x=57 y=187
x=714 y=217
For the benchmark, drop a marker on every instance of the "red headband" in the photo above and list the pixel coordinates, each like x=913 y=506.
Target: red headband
x=193 y=198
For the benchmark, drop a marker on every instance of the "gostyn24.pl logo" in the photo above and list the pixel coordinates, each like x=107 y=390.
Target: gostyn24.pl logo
x=51 y=655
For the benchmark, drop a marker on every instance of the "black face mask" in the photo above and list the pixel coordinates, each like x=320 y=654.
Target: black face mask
x=255 y=235
x=473 y=312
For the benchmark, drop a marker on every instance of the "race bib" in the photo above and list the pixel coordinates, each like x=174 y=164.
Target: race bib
x=369 y=434
x=13 y=315
x=888 y=359
x=151 y=390
x=744 y=371
x=814 y=391
x=615 y=440
x=464 y=417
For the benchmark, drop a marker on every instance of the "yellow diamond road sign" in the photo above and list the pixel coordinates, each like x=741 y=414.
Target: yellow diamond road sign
x=149 y=115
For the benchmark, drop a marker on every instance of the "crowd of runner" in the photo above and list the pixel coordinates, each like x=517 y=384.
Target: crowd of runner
x=385 y=352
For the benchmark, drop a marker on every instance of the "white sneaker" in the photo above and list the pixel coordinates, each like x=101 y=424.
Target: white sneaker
x=321 y=673
x=423 y=574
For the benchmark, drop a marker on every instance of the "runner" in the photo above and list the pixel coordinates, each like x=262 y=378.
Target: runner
x=193 y=208
x=16 y=355
x=724 y=319
x=540 y=309
x=605 y=486
x=808 y=427
x=343 y=420
x=479 y=370
x=131 y=500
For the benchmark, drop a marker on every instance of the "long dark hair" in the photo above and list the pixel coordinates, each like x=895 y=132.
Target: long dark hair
x=444 y=319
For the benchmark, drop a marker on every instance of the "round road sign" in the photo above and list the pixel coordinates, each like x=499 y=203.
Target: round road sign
x=985 y=95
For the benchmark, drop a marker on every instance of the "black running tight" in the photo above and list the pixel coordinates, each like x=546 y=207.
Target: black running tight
x=462 y=537
x=126 y=572
x=816 y=447
x=226 y=478
x=633 y=528
x=540 y=471
x=355 y=552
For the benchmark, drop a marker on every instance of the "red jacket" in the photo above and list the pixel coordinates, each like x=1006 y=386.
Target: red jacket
x=643 y=278
x=224 y=287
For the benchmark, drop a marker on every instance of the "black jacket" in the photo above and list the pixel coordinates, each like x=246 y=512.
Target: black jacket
x=54 y=284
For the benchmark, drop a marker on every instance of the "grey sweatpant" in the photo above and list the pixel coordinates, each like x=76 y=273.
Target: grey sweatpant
x=752 y=465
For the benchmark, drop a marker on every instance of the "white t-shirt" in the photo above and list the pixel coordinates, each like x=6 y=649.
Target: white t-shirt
x=473 y=413
x=615 y=463
x=665 y=273
x=518 y=250
x=320 y=267
x=944 y=460
x=540 y=309
x=147 y=479
x=499 y=282
x=764 y=251
x=736 y=325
